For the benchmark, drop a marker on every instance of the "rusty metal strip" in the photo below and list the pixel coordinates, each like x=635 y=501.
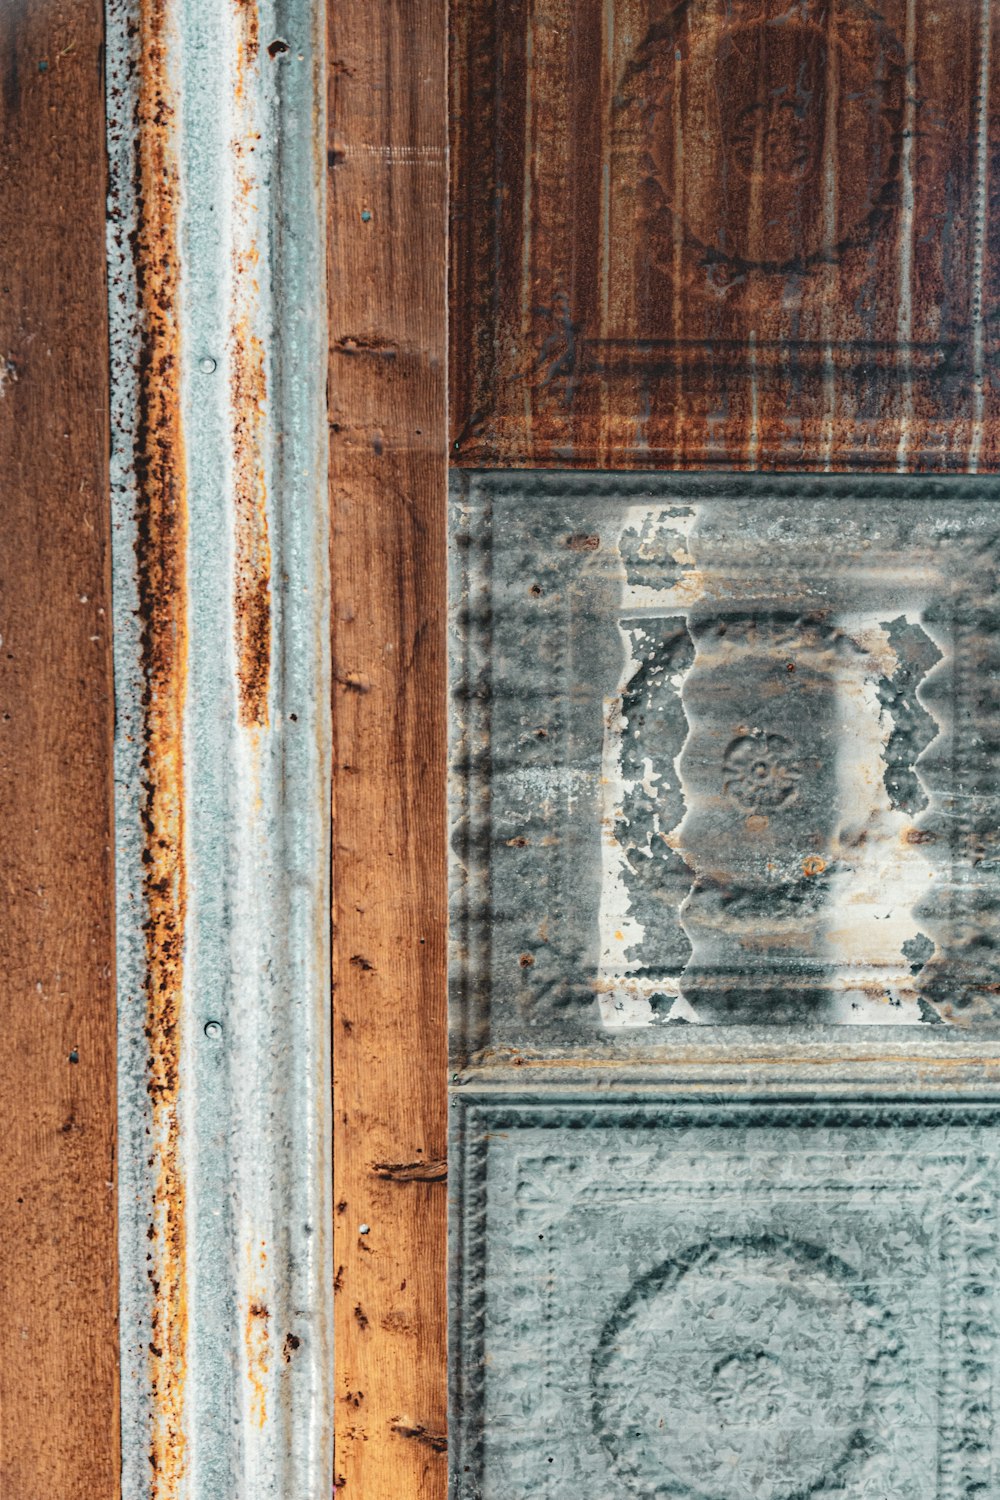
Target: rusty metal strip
x=216 y=142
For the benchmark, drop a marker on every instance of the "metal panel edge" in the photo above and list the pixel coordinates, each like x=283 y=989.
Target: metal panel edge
x=486 y=1122
x=216 y=138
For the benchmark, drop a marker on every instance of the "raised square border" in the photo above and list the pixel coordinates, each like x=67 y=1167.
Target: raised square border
x=485 y=1127
x=474 y=1039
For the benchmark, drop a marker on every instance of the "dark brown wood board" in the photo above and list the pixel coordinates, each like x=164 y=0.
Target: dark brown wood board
x=59 y=1422
x=387 y=256
x=726 y=233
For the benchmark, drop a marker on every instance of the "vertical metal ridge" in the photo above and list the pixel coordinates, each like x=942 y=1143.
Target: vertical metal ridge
x=980 y=231
x=216 y=257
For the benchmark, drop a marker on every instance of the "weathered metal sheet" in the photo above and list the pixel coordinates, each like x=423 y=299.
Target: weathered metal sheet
x=720 y=1299
x=724 y=755
x=216 y=140
x=725 y=1153
x=726 y=232
x=724 y=748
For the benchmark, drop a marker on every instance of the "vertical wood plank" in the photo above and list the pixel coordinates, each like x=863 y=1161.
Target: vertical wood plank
x=58 y=1254
x=388 y=192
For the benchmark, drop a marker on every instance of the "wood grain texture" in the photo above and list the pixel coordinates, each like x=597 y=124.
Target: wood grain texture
x=388 y=191
x=59 y=1425
x=716 y=233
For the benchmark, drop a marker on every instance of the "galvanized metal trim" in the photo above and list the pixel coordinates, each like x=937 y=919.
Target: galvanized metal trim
x=222 y=757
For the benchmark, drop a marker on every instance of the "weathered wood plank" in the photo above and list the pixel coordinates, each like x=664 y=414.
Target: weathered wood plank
x=58 y=1254
x=388 y=188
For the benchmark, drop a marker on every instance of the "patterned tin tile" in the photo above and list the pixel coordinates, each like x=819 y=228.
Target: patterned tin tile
x=722 y=1301
x=728 y=233
x=723 y=754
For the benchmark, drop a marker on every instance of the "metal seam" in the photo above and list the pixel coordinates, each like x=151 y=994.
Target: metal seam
x=219 y=509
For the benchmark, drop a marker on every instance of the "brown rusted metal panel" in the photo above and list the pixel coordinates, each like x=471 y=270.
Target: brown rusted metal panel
x=725 y=233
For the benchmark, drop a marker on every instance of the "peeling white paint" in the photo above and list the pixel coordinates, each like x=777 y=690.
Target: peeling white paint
x=878 y=876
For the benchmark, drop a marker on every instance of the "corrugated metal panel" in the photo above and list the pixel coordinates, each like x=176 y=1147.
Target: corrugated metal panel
x=216 y=136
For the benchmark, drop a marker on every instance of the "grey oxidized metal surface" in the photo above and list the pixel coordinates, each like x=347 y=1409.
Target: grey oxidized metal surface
x=216 y=132
x=724 y=866
x=669 y=1300
x=724 y=754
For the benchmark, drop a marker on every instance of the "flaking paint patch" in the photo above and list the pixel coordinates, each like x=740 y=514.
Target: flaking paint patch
x=162 y=528
x=856 y=908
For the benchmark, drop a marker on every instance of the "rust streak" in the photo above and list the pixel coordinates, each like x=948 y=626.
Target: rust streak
x=162 y=582
x=252 y=588
x=256 y=1338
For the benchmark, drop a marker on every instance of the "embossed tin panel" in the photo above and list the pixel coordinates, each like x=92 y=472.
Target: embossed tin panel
x=724 y=748
x=724 y=1300
x=724 y=754
x=725 y=232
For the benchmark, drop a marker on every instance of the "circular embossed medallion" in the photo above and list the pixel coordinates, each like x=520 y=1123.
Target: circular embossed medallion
x=772 y=140
x=740 y=1369
x=761 y=772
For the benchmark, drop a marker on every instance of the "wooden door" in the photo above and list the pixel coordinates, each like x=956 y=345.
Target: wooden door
x=725 y=717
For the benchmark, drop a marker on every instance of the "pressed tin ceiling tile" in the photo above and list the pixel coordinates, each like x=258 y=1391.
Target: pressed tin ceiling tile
x=664 y=1301
x=724 y=753
x=725 y=232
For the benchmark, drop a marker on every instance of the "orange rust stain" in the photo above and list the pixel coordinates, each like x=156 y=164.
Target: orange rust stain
x=162 y=579
x=252 y=585
x=248 y=40
x=253 y=549
x=813 y=865
x=256 y=1337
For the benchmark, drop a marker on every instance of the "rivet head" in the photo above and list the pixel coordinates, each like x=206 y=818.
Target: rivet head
x=363 y=1228
x=208 y=365
x=213 y=1029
